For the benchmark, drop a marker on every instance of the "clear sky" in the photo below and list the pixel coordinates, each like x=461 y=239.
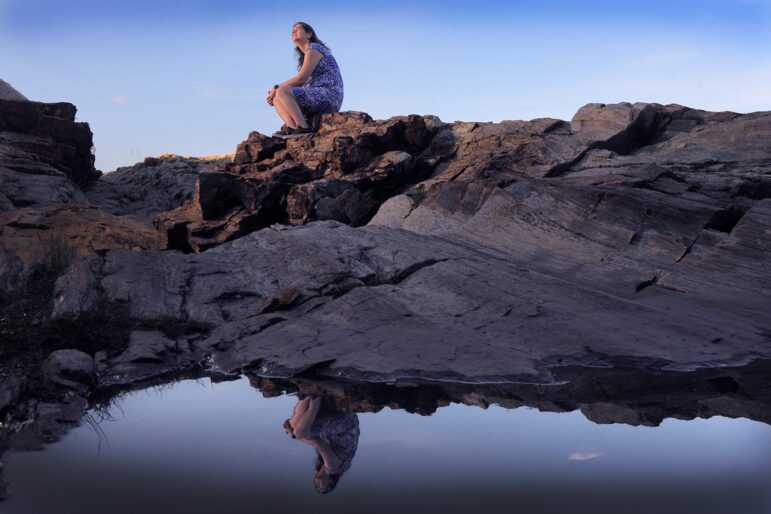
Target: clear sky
x=190 y=77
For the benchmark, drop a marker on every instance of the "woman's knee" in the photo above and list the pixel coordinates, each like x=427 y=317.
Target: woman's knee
x=285 y=92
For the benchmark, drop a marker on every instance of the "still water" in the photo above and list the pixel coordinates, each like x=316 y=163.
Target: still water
x=199 y=446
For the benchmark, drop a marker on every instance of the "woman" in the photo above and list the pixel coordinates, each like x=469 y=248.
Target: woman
x=317 y=87
x=333 y=434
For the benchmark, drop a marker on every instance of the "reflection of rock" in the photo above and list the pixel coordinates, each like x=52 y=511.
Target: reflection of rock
x=634 y=397
x=602 y=395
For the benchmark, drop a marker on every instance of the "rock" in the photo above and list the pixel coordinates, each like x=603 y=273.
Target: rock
x=377 y=299
x=70 y=368
x=23 y=189
x=633 y=236
x=157 y=185
x=10 y=389
x=76 y=292
x=44 y=139
x=33 y=234
x=149 y=353
x=620 y=128
x=561 y=236
x=145 y=345
x=351 y=166
x=7 y=92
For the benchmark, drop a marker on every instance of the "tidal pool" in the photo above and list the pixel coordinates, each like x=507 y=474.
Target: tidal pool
x=200 y=446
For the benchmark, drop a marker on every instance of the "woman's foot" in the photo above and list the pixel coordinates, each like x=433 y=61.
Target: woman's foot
x=283 y=131
x=298 y=132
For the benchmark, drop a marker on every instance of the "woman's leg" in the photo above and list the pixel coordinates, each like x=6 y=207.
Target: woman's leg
x=283 y=112
x=292 y=108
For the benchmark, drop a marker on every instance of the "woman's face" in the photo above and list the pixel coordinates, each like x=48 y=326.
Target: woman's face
x=299 y=36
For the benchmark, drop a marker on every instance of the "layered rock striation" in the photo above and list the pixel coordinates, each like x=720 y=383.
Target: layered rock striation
x=635 y=235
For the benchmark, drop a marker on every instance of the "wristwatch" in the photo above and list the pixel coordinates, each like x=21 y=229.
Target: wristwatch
x=275 y=87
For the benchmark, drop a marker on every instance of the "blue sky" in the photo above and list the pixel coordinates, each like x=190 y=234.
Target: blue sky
x=190 y=77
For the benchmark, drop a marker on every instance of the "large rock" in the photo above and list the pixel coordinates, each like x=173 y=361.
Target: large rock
x=31 y=235
x=70 y=368
x=44 y=139
x=7 y=92
x=156 y=185
x=344 y=172
x=383 y=302
x=635 y=235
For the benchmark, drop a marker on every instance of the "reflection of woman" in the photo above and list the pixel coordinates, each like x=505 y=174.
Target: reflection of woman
x=334 y=435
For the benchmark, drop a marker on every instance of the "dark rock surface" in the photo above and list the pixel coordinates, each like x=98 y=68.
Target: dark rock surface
x=634 y=235
x=156 y=185
x=43 y=140
x=343 y=173
x=632 y=241
x=604 y=396
x=50 y=191
x=32 y=234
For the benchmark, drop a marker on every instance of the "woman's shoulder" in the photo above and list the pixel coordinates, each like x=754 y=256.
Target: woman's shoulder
x=320 y=48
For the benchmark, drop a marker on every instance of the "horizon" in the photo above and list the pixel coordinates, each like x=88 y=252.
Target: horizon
x=152 y=78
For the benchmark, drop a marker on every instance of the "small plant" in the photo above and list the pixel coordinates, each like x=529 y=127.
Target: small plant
x=58 y=254
x=417 y=195
x=24 y=305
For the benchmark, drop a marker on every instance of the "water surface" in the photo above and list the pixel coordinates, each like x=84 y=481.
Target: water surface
x=198 y=446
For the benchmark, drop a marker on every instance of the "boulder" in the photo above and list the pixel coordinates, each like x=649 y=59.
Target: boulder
x=44 y=139
x=70 y=368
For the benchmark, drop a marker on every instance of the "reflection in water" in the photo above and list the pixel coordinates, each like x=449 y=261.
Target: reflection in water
x=189 y=448
x=332 y=433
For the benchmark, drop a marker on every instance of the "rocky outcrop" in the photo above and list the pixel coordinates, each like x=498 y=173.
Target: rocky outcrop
x=52 y=200
x=343 y=173
x=633 y=235
x=513 y=248
x=30 y=235
x=156 y=185
x=45 y=141
x=632 y=240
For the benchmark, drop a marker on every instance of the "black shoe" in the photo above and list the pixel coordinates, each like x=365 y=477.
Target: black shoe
x=282 y=132
x=298 y=132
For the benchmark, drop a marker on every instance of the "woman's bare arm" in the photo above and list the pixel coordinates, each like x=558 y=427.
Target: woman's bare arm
x=312 y=59
x=305 y=420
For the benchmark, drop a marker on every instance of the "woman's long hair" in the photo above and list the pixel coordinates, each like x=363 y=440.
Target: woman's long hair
x=334 y=478
x=314 y=39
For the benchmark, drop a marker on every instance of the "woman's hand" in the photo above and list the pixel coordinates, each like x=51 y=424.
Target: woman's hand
x=271 y=96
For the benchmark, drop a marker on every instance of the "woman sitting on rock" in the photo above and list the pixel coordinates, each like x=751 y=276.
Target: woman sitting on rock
x=317 y=88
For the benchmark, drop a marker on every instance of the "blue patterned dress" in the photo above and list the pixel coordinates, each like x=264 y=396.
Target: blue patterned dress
x=323 y=93
x=341 y=432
